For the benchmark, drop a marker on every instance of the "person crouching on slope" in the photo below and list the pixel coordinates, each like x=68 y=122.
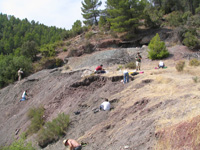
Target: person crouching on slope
x=99 y=69
x=73 y=145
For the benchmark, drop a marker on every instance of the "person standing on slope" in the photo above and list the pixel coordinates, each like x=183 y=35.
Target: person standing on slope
x=138 y=61
x=20 y=74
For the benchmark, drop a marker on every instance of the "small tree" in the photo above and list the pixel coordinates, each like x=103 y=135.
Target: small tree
x=157 y=48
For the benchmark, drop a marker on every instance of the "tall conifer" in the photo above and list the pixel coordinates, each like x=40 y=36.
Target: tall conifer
x=125 y=14
x=90 y=11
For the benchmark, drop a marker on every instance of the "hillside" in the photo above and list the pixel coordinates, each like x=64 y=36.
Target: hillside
x=156 y=110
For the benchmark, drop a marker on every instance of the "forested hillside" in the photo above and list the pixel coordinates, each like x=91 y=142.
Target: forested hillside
x=20 y=42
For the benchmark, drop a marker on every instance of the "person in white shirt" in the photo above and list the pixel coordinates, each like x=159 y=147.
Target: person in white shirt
x=126 y=76
x=24 y=96
x=161 y=64
x=105 y=105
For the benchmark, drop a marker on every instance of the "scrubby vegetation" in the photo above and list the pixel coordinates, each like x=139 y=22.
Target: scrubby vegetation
x=37 y=120
x=130 y=65
x=180 y=65
x=47 y=132
x=194 y=62
x=53 y=130
x=47 y=63
x=19 y=144
x=157 y=49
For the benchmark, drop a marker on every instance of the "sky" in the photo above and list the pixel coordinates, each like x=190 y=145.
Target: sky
x=59 y=13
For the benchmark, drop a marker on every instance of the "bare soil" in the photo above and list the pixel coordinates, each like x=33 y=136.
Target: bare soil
x=158 y=109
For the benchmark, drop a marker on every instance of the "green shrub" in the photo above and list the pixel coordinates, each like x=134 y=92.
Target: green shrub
x=59 y=62
x=64 y=49
x=157 y=48
x=88 y=35
x=186 y=16
x=130 y=65
x=53 y=130
x=68 y=43
x=194 y=62
x=190 y=40
x=20 y=144
x=37 y=121
x=175 y=19
x=180 y=65
x=48 y=50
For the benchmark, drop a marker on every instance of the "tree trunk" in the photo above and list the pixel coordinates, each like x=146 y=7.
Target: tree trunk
x=191 y=7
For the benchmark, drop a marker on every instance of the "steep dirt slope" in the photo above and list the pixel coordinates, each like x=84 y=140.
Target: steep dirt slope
x=147 y=111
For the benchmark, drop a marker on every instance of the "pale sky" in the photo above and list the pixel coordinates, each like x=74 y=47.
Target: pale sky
x=59 y=13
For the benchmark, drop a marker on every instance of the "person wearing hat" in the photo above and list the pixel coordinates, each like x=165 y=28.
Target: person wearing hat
x=20 y=74
x=73 y=145
x=138 y=61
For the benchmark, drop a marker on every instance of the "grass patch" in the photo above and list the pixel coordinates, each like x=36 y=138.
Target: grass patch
x=194 y=62
x=37 y=121
x=53 y=130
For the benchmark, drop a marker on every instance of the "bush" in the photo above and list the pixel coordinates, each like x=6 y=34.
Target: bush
x=20 y=144
x=64 y=49
x=130 y=65
x=194 y=62
x=175 y=19
x=88 y=35
x=190 y=40
x=59 y=62
x=53 y=130
x=48 y=50
x=180 y=65
x=157 y=49
x=37 y=121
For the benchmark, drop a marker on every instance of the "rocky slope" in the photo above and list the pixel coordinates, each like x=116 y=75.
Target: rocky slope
x=159 y=109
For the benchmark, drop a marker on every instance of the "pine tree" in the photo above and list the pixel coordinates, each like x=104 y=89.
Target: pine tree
x=125 y=14
x=90 y=11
